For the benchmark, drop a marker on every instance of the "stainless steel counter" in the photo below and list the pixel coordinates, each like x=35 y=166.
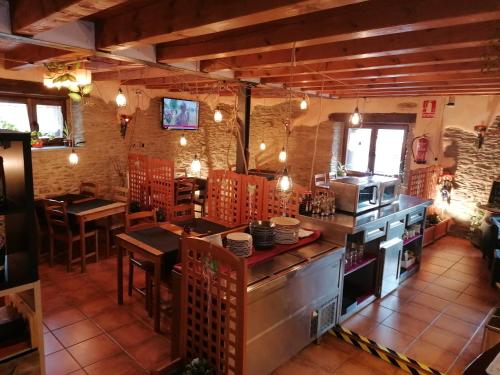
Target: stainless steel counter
x=293 y=299
x=350 y=224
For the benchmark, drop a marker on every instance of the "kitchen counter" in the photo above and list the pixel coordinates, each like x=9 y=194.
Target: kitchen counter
x=351 y=224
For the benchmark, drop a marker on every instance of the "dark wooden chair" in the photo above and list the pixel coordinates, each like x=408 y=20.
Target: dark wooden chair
x=200 y=196
x=182 y=212
x=89 y=188
x=184 y=191
x=133 y=222
x=114 y=224
x=61 y=229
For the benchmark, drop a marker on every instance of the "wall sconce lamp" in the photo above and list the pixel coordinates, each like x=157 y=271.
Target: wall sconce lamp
x=124 y=121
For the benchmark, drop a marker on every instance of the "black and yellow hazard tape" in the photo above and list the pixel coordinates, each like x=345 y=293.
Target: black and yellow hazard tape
x=386 y=354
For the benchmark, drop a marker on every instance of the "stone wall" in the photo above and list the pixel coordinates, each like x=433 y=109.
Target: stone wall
x=267 y=125
x=104 y=152
x=474 y=169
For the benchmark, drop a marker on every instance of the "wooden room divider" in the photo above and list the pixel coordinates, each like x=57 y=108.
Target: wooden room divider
x=252 y=198
x=213 y=306
x=151 y=183
x=423 y=181
x=224 y=192
x=279 y=204
x=138 y=180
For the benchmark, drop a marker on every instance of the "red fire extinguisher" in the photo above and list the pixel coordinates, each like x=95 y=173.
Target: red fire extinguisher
x=420 y=151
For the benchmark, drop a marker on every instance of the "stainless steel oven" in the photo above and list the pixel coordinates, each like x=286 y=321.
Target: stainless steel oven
x=388 y=189
x=355 y=194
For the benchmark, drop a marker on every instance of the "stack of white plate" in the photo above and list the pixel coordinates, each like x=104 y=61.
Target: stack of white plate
x=286 y=230
x=240 y=243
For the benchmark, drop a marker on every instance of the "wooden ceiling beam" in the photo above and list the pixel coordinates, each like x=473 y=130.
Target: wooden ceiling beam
x=177 y=79
x=368 y=19
x=407 y=86
x=29 y=54
x=169 y=20
x=33 y=17
x=398 y=61
x=412 y=93
x=455 y=37
x=432 y=77
x=361 y=93
x=474 y=66
x=134 y=73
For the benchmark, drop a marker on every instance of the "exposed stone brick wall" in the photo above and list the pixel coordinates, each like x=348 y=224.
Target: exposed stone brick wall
x=97 y=123
x=267 y=125
x=474 y=170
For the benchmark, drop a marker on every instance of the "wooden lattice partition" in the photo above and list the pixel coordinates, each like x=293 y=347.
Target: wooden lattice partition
x=161 y=181
x=423 y=181
x=213 y=305
x=252 y=198
x=138 y=181
x=224 y=191
x=279 y=204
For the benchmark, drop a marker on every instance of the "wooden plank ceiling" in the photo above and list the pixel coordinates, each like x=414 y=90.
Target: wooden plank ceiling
x=341 y=48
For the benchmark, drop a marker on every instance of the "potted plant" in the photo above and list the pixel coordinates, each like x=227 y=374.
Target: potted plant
x=341 y=171
x=198 y=367
x=430 y=228
x=36 y=142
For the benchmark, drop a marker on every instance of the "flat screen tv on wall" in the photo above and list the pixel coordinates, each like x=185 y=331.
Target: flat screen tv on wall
x=179 y=114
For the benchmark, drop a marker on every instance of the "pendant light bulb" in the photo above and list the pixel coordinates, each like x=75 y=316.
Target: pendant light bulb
x=217 y=115
x=195 y=165
x=355 y=117
x=284 y=182
x=282 y=155
x=73 y=158
x=303 y=104
x=121 y=99
x=262 y=146
x=183 y=141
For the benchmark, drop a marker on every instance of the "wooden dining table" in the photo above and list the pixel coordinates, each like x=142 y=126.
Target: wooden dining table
x=93 y=209
x=153 y=244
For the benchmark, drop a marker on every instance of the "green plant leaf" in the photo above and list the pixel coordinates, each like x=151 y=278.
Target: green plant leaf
x=74 y=88
x=87 y=89
x=75 y=97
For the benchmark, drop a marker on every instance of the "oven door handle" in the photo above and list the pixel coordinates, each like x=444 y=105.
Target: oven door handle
x=375 y=195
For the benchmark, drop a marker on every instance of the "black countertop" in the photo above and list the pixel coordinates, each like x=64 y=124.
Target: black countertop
x=349 y=223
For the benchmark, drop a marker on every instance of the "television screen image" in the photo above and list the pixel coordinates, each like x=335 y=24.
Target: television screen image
x=179 y=114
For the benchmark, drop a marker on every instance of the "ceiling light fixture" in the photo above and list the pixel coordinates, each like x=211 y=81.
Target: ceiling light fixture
x=196 y=165
x=121 y=99
x=73 y=157
x=284 y=182
x=183 y=141
x=304 y=104
x=356 y=118
x=217 y=115
x=262 y=146
x=282 y=155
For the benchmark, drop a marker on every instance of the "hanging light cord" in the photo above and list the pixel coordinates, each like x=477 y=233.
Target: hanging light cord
x=313 y=162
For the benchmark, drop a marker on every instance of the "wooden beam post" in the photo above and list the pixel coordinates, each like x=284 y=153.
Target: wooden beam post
x=243 y=122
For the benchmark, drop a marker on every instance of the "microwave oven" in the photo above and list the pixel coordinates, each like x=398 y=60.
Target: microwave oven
x=388 y=189
x=355 y=194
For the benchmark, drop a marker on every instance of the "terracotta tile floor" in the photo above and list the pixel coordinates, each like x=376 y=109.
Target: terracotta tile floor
x=436 y=317
x=85 y=330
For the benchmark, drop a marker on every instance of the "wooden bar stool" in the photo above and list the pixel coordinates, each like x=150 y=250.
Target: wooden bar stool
x=133 y=222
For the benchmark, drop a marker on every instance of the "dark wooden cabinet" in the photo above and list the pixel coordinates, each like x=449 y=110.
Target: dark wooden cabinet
x=18 y=256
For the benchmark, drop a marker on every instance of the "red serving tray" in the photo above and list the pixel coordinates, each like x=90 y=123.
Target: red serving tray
x=259 y=256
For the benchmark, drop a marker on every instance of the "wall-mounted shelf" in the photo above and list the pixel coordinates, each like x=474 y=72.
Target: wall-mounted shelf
x=411 y=239
x=367 y=259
